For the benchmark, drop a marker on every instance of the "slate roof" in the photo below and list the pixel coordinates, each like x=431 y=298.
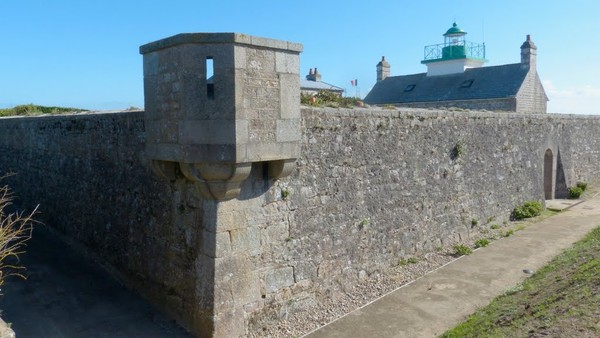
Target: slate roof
x=474 y=83
x=318 y=85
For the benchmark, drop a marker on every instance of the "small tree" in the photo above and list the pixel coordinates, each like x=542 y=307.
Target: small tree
x=15 y=230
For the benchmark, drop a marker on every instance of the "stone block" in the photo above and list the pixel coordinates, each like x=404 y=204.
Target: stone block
x=207 y=131
x=246 y=289
x=305 y=270
x=227 y=268
x=287 y=63
x=290 y=96
x=216 y=244
x=288 y=130
x=165 y=152
x=223 y=296
x=278 y=279
x=272 y=151
x=270 y=43
x=274 y=234
x=241 y=131
x=246 y=240
x=230 y=323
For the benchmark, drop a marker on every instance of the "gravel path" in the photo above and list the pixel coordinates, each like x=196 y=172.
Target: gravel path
x=301 y=323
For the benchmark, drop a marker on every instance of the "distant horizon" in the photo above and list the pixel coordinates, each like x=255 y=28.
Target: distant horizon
x=86 y=55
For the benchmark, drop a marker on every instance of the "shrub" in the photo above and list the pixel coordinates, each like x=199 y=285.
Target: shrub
x=457 y=151
x=15 y=230
x=461 y=250
x=480 y=243
x=582 y=185
x=285 y=194
x=329 y=99
x=575 y=192
x=528 y=209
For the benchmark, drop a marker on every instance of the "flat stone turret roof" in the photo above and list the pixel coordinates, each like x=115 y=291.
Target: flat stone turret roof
x=220 y=38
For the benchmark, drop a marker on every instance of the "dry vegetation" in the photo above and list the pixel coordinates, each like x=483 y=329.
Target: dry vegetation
x=15 y=230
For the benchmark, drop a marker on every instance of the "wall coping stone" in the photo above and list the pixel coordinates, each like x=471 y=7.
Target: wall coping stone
x=219 y=38
x=399 y=112
x=355 y=112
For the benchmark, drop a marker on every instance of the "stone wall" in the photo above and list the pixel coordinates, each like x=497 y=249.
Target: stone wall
x=375 y=186
x=531 y=97
x=91 y=178
x=370 y=187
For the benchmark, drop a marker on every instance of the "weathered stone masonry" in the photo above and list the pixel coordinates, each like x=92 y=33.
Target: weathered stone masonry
x=219 y=265
x=222 y=244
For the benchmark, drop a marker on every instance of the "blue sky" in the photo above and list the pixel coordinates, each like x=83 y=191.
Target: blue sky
x=85 y=53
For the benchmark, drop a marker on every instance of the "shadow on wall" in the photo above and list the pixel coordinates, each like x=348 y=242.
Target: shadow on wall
x=561 y=190
x=560 y=183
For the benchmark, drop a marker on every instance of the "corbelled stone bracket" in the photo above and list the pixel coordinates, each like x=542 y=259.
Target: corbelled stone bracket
x=216 y=103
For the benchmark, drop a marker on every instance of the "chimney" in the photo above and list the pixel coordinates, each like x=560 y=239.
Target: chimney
x=313 y=76
x=528 y=53
x=383 y=69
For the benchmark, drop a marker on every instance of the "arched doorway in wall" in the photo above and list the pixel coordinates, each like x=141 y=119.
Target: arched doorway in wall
x=548 y=171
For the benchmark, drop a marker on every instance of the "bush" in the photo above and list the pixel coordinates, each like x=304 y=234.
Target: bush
x=15 y=230
x=329 y=99
x=461 y=250
x=480 y=243
x=575 y=192
x=457 y=151
x=582 y=185
x=528 y=209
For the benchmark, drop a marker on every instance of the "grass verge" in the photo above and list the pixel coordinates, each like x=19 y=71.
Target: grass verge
x=560 y=300
x=32 y=109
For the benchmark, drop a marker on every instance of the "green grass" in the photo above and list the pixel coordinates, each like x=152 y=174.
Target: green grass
x=560 y=300
x=32 y=109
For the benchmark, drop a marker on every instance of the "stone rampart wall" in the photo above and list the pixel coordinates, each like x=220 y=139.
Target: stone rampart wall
x=92 y=181
x=370 y=187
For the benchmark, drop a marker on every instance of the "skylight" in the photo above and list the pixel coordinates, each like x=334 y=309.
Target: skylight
x=466 y=84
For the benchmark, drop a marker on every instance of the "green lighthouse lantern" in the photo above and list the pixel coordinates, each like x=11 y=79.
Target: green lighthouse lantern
x=455 y=55
x=454 y=43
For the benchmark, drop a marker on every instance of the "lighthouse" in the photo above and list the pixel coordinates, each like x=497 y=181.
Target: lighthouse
x=455 y=55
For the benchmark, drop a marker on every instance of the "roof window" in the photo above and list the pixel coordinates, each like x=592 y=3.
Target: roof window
x=466 y=84
x=409 y=88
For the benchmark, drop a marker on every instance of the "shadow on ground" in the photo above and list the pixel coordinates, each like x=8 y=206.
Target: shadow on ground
x=67 y=296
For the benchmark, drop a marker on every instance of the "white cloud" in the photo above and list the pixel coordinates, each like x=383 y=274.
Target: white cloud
x=572 y=100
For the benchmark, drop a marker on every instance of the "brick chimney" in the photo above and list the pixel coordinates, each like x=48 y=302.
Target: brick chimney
x=313 y=76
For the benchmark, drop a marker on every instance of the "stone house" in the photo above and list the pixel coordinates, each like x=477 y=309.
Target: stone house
x=312 y=84
x=455 y=78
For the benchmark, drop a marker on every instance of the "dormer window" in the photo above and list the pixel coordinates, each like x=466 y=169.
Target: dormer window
x=409 y=88
x=466 y=84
